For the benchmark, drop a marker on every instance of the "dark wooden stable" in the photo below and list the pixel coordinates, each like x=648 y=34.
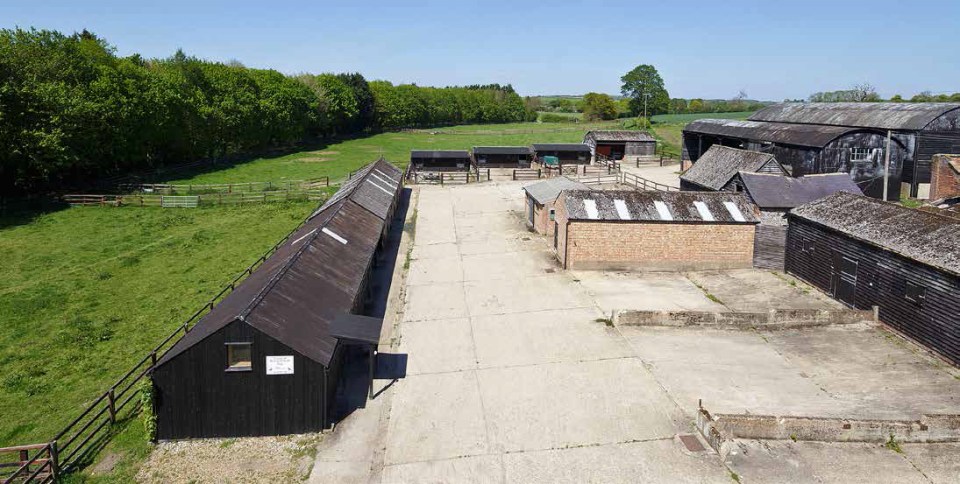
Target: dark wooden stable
x=502 y=156
x=440 y=160
x=833 y=244
x=566 y=153
x=284 y=308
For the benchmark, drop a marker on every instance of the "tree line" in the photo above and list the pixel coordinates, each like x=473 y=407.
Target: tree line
x=865 y=92
x=71 y=109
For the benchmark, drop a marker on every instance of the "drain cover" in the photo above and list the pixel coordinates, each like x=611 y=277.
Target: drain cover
x=692 y=443
x=549 y=271
x=526 y=238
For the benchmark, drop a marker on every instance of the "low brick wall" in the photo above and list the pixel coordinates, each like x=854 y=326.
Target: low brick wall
x=772 y=319
x=720 y=429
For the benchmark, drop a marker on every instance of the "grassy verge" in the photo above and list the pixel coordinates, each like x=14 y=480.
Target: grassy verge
x=686 y=118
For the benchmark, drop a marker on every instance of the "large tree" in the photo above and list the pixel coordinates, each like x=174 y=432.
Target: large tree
x=644 y=84
x=598 y=106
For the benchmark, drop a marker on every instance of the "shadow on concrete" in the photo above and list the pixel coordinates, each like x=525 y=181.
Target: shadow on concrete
x=354 y=385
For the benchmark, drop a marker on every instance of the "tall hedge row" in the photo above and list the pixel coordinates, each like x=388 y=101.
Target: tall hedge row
x=72 y=110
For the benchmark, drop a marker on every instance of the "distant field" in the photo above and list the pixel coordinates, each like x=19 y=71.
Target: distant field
x=337 y=160
x=686 y=118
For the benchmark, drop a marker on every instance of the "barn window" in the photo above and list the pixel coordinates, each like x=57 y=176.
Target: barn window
x=239 y=357
x=865 y=154
x=915 y=293
x=553 y=214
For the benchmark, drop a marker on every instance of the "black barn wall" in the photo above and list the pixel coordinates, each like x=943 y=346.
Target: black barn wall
x=881 y=281
x=196 y=397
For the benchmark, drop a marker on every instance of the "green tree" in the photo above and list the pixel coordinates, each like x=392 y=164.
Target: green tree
x=644 y=86
x=598 y=106
x=696 y=106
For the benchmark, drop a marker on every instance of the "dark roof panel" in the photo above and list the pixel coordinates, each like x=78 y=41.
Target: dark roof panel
x=576 y=147
x=925 y=237
x=548 y=190
x=877 y=115
x=624 y=135
x=356 y=328
x=780 y=192
x=501 y=150
x=721 y=163
x=439 y=154
x=653 y=206
x=814 y=136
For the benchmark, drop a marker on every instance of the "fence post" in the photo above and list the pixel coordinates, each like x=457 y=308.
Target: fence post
x=538 y=173
x=111 y=402
x=441 y=178
x=54 y=461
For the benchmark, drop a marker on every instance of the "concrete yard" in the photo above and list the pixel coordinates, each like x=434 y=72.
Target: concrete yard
x=516 y=374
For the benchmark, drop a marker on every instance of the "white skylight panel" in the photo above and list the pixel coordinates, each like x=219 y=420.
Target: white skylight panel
x=663 y=210
x=704 y=211
x=334 y=235
x=591 y=207
x=734 y=211
x=622 y=210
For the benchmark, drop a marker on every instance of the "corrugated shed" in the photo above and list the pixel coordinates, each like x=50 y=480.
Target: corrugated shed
x=502 y=150
x=547 y=191
x=653 y=206
x=897 y=116
x=814 y=136
x=316 y=274
x=925 y=237
x=617 y=136
x=721 y=163
x=439 y=154
x=575 y=147
x=782 y=192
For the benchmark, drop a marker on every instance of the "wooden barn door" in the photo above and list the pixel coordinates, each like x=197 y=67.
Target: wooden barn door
x=844 y=279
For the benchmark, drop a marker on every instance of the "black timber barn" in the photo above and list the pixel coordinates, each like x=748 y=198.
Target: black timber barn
x=717 y=169
x=502 y=156
x=814 y=138
x=263 y=360
x=566 y=153
x=865 y=253
x=440 y=160
x=615 y=145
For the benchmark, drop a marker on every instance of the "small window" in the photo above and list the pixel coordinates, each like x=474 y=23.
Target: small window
x=553 y=214
x=915 y=293
x=239 y=357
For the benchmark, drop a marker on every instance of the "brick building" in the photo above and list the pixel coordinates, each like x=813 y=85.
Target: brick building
x=654 y=230
x=540 y=200
x=945 y=177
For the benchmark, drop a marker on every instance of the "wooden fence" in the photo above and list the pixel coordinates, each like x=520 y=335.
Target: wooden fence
x=660 y=160
x=251 y=187
x=237 y=198
x=527 y=174
x=640 y=183
x=77 y=444
x=447 y=177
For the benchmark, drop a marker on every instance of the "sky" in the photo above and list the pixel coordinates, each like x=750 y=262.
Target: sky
x=772 y=50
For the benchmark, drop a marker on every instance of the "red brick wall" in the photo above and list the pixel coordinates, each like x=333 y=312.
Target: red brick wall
x=944 y=179
x=655 y=246
x=541 y=217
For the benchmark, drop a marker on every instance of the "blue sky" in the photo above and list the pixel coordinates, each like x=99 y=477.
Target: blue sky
x=771 y=49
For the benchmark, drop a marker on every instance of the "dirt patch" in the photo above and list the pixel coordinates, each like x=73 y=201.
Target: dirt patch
x=256 y=459
x=106 y=464
x=313 y=159
x=324 y=152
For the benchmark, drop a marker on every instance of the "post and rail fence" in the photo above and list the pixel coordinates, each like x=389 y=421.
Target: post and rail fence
x=192 y=201
x=83 y=437
x=213 y=188
x=446 y=177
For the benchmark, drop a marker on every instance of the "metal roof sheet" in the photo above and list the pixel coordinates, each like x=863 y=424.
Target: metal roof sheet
x=547 y=191
x=701 y=207
x=815 y=136
x=575 y=147
x=356 y=328
x=439 y=154
x=502 y=150
x=922 y=236
x=315 y=275
x=721 y=163
x=878 y=115
x=624 y=135
x=779 y=192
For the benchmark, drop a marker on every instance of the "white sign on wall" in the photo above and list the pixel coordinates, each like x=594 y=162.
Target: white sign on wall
x=280 y=365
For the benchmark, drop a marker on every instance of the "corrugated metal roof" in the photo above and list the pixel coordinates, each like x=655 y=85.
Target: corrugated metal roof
x=879 y=115
x=644 y=206
x=439 y=154
x=577 y=147
x=315 y=275
x=618 y=136
x=548 y=190
x=779 y=192
x=814 y=136
x=721 y=163
x=502 y=150
x=925 y=237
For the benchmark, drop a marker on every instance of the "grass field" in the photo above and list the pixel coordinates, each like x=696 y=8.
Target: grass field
x=337 y=160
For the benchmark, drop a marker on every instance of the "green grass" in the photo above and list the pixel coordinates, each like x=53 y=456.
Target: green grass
x=686 y=118
x=87 y=292
x=337 y=160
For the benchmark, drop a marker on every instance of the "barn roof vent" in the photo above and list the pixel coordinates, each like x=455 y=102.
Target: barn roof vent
x=591 y=207
x=370 y=181
x=622 y=210
x=663 y=210
x=734 y=211
x=704 y=211
x=334 y=235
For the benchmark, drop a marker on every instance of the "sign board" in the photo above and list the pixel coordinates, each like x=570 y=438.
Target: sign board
x=280 y=365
